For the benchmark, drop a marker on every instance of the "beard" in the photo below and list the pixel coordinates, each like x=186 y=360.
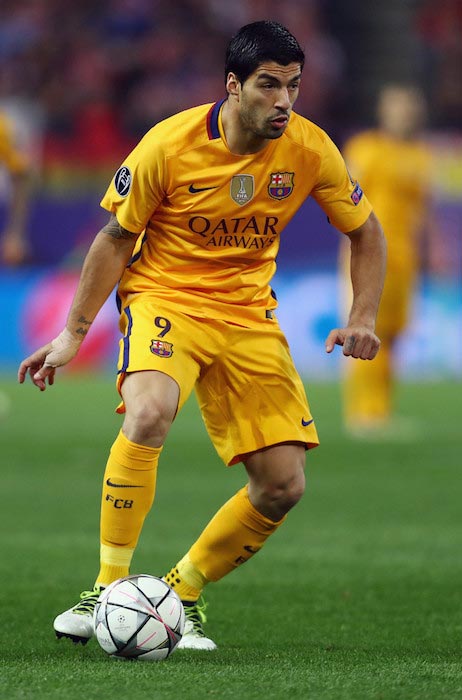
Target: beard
x=261 y=128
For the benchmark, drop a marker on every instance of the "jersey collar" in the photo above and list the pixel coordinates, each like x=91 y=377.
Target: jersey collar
x=213 y=129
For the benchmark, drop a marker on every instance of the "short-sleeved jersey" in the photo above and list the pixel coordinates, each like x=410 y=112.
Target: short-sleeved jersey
x=10 y=156
x=210 y=221
x=395 y=173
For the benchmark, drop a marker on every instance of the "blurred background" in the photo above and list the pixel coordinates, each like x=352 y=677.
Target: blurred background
x=81 y=83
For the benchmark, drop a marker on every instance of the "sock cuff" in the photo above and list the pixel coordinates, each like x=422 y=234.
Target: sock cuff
x=116 y=556
x=248 y=514
x=191 y=575
x=132 y=455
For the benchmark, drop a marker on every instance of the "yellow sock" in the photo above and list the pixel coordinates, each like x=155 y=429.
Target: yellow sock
x=367 y=389
x=128 y=493
x=115 y=563
x=235 y=533
x=187 y=581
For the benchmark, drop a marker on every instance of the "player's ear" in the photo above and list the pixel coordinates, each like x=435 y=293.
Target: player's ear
x=233 y=85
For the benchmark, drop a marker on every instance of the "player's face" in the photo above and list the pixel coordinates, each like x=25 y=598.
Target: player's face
x=266 y=99
x=401 y=111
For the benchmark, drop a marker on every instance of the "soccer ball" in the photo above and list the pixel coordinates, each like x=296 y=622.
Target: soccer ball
x=139 y=617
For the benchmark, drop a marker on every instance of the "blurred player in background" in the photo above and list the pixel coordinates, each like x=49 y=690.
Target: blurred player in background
x=393 y=165
x=197 y=210
x=14 y=248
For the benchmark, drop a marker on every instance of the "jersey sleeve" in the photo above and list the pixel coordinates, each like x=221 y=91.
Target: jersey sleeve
x=337 y=193
x=138 y=185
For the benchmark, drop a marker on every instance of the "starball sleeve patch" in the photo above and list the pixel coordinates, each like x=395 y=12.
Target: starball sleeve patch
x=123 y=181
x=357 y=194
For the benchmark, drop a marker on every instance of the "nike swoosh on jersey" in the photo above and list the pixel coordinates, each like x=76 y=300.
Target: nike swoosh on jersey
x=307 y=422
x=195 y=190
x=123 y=486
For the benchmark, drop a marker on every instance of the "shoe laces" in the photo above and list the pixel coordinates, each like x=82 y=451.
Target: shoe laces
x=195 y=613
x=88 y=601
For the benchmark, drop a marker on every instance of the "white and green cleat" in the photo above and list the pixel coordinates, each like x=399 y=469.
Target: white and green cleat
x=193 y=635
x=77 y=622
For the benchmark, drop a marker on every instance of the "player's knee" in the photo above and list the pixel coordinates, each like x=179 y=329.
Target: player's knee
x=147 y=421
x=282 y=495
x=290 y=493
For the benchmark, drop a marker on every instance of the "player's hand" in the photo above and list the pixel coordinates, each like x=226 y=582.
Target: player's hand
x=357 y=341
x=41 y=365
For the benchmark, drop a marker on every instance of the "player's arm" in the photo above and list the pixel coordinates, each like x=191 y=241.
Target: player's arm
x=368 y=264
x=103 y=266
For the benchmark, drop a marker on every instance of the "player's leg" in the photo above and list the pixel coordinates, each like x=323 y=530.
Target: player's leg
x=367 y=391
x=239 y=529
x=243 y=524
x=368 y=386
x=256 y=411
x=154 y=382
x=151 y=401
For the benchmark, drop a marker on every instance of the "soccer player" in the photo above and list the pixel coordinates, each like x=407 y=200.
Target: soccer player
x=393 y=165
x=197 y=212
x=13 y=242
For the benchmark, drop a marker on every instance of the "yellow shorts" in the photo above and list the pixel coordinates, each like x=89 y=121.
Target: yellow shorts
x=248 y=389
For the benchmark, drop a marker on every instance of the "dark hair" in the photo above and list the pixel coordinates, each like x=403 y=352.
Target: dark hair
x=258 y=42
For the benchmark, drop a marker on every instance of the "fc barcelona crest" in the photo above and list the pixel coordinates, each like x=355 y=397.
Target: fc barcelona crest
x=242 y=189
x=161 y=348
x=280 y=185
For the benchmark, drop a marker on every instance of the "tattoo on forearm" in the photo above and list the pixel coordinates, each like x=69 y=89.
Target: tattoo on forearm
x=114 y=229
x=82 y=330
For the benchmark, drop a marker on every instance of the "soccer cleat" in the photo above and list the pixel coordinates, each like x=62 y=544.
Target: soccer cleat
x=193 y=635
x=77 y=622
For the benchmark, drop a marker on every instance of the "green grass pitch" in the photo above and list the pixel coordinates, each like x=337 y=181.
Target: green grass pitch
x=357 y=596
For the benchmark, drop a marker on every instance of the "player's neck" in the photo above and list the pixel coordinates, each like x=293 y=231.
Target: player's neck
x=239 y=141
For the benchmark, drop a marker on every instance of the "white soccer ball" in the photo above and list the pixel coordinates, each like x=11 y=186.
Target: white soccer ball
x=139 y=617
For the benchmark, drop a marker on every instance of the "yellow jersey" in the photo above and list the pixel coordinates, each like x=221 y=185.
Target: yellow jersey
x=10 y=156
x=395 y=174
x=210 y=221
